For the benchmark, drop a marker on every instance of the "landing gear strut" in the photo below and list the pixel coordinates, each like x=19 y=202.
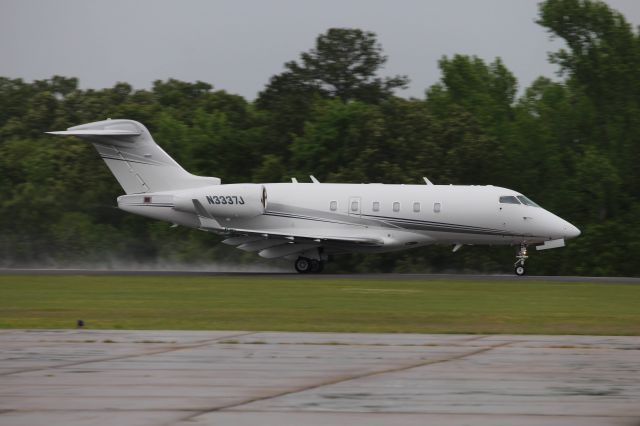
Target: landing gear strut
x=304 y=265
x=521 y=256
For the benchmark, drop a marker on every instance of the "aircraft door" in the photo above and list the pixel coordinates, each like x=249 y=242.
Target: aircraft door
x=509 y=209
x=355 y=206
x=503 y=215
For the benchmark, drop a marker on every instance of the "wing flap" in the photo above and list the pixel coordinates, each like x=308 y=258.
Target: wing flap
x=277 y=243
x=286 y=250
x=300 y=237
x=261 y=244
x=236 y=241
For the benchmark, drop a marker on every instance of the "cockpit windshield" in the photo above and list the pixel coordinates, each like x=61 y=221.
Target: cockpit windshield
x=526 y=201
x=517 y=199
x=509 y=199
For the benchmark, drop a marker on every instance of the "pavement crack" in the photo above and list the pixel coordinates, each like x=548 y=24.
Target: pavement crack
x=473 y=339
x=343 y=379
x=116 y=358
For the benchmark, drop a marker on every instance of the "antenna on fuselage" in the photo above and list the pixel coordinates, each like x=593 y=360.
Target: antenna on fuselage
x=313 y=179
x=294 y=180
x=427 y=181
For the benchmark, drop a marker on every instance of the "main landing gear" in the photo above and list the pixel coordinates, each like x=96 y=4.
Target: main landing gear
x=304 y=265
x=521 y=256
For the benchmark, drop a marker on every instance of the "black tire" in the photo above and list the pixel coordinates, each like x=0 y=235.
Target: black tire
x=519 y=270
x=316 y=266
x=302 y=265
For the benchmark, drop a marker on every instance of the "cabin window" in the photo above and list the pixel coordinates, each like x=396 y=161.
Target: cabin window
x=509 y=199
x=376 y=206
x=527 y=202
x=436 y=207
x=333 y=206
x=396 y=206
x=354 y=206
x=416 y=207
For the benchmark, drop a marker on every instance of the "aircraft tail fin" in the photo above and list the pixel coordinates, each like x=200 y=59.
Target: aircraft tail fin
x=136 y=161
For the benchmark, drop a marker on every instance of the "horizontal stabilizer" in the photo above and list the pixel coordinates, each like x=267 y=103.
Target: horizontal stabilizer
x=88 y=132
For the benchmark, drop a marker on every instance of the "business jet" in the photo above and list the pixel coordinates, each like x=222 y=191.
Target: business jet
x=308 y=222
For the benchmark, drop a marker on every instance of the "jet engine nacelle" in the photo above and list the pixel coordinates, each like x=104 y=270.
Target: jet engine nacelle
x=235 y=200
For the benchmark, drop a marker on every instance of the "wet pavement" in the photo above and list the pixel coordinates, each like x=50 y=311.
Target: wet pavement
x=91 y=377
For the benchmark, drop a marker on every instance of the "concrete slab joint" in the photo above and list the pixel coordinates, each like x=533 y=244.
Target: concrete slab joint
x=85 y=377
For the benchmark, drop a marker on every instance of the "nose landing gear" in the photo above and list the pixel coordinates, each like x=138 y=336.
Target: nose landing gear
x=521 y=256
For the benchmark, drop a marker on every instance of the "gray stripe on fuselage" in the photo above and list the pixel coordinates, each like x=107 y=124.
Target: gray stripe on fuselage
x=384 y=221
x=365 y=219
x=428 y=222
x=302 y=217
x=310 y=214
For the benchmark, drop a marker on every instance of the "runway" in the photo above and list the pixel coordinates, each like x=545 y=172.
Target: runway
x=294 y=275
x=140 y=378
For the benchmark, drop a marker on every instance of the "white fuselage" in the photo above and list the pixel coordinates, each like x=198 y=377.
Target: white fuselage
x=400 y=216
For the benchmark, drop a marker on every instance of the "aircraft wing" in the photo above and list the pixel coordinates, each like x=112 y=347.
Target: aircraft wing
x=275 y=243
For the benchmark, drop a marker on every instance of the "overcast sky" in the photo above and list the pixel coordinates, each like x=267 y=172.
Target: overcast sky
x=237 y=45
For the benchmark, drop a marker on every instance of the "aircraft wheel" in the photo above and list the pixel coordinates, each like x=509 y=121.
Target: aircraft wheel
x=316 y=266
x=303 y=265
x=520 y=270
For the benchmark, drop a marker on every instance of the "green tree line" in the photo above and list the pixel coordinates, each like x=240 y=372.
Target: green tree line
x=571 y=144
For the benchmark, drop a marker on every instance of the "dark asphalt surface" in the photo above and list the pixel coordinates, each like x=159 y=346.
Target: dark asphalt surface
x=293 y=275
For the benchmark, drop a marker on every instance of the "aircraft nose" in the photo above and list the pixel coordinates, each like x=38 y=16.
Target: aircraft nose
x=571 y=231
x=557 y=227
